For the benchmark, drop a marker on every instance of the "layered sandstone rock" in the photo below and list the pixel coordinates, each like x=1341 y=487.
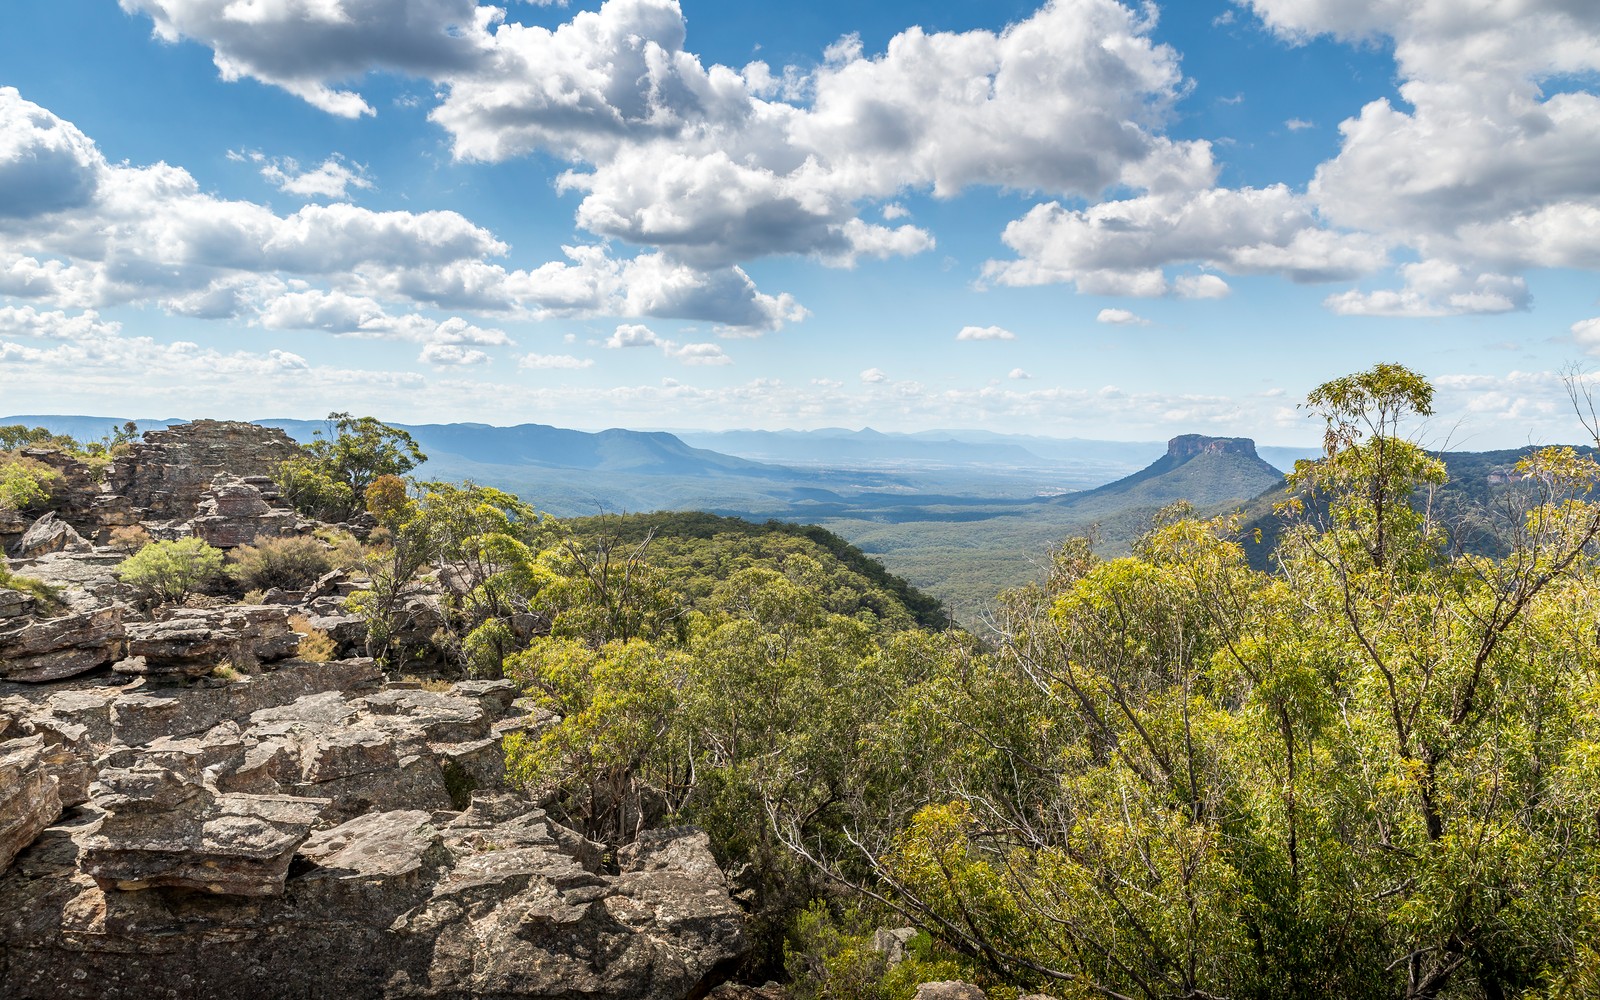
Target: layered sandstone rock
x=49 y=534
x=191 y=642
x=34 y=650
x=170 y=471
x=238 y=511
x=201 y=865
x=30 y=798
x=165 y=827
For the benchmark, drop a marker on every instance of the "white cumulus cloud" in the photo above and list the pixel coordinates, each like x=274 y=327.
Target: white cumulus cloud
x=985 y=333
x=554 y=361
x=1121 y=317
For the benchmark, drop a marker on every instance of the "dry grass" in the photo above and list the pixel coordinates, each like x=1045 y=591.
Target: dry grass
x=315 y=644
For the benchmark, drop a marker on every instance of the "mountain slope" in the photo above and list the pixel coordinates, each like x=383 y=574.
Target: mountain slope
x=1205 y=471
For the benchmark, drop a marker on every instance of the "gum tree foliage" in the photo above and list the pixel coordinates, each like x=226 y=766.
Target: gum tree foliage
x=1374 y=772
x=462 y=534
x=329 y=479
x=699 y=676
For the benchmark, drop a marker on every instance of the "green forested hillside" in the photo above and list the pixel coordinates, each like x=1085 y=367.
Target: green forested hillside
x=1164 y=775
x=697 y=549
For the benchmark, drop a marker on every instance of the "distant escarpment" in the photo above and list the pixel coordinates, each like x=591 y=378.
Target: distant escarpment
x=1187 y=446
x=1205 y=471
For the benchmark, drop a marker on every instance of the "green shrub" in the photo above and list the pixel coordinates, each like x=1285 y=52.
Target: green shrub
x=831 y=957
x=168 y=572
x=25 y=483
x=285 y=563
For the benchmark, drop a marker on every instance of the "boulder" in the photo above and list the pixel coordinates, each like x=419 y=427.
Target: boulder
x=15 y=604
x=234 y=512
x=50 y=534
x=164 y=827
x=190 y=642
x=891 y=943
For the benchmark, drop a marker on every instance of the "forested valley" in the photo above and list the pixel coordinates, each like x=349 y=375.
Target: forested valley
x=1368 y=766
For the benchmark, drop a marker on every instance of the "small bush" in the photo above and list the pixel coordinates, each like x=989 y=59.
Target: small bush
x=345 y=550
x=830 y=957
x=168 y=572
x=315 y=644
x=25 y=483
x=285 y=563
x=129 y=539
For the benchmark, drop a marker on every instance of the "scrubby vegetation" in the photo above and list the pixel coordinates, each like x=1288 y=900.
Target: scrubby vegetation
x=1367 y=771
x=168 y=572
x=286 y=563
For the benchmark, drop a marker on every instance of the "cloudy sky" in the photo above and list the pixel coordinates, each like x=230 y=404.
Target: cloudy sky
x=1087 y=218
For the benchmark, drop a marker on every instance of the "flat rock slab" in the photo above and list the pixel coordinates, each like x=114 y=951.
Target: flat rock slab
x=233 y=845
x=40 y=650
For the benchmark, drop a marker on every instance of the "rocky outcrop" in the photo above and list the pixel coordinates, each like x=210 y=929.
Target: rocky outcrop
x=171 y=470
x=79 y=498
x=87 y=580
x=34 y=650
x=49 y=534
x=241 y=511
x=296 y=834
x=398 y=904
x=191 y=642
x=1187 y=446
x=165 y=827
x=30 y=799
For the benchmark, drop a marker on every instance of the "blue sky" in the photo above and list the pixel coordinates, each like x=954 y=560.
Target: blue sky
x=1086 y=218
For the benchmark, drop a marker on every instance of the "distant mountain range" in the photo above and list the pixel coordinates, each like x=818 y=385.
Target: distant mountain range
x=449 y=446
x=960 y=514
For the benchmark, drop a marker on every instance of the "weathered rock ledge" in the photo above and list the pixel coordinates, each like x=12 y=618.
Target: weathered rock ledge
x=306 y=832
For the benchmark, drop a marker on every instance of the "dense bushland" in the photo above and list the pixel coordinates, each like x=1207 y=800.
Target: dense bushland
x=1371 y=771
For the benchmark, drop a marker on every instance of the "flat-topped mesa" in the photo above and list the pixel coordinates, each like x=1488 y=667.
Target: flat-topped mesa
x=171 y=470
x=1187 y=446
